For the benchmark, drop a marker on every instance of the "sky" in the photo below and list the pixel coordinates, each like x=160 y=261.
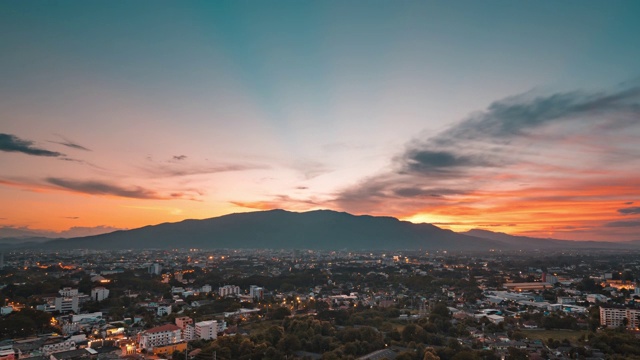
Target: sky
x=512 y=116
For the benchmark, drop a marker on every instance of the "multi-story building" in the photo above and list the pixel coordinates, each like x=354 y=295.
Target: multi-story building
x=256 y=292
x=7 y=352
x=189 y=333
x=186 y=324
x=615 y=317
x=228 y=290
x=160 y=336
x=65 y=304
x=155 y=269
x=206 y=330
x=206 y=289
x=68 y=292
x=99 y=293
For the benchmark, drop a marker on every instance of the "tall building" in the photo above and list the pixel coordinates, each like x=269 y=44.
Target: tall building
x=160 y=336
x=228 y=290
x=256 y=292
x=155 y=269
x=206 y=330
x=186 y=324
x=99 y=293
x=66 y=304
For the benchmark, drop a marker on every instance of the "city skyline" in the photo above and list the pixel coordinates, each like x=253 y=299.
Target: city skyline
x=521 y=117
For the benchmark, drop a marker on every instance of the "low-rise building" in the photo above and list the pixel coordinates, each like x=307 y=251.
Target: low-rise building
x=160 y=336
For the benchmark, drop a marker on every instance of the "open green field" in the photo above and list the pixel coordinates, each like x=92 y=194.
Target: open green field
x=559 y=335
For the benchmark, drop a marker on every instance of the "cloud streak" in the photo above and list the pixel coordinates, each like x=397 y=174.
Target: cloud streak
x=70 y=144
x=94 y=187
x=12 y=143
x=635 y=210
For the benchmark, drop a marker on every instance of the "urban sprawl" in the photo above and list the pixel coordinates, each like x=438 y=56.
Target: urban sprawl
x=265 y=304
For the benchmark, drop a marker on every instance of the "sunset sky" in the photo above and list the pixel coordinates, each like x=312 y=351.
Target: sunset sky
x=514 y=116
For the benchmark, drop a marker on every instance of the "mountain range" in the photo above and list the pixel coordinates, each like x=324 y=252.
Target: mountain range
x=320 y=229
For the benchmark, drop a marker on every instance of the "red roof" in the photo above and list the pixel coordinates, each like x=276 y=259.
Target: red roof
x=163 y=328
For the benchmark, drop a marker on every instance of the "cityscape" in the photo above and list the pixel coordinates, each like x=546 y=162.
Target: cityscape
x=306 y=304
x=319 y=180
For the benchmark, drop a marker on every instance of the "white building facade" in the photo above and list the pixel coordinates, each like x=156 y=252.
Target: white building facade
x=160 y=336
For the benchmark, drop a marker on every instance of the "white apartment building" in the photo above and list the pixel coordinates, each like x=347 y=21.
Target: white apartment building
x=228 y=290
x=206 y=289
x=206 y=330
x=160 y=336
x=256 y=292
x=614 y=317
x=65 y=304
x=189 y=333
x=68 y=292
x=99 y=293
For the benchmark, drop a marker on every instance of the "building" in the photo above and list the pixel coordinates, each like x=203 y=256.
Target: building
x=56 y=346
x=206 y=330
x=206 y=289
x=169 y=349
x=4 y=310
x=566 y=300
x=87 y=318
x=615 y=317
x=228 y=290
x=100 y=293
x=164 y=310
x=68 y=292
x=186 y=324
x=7 y=352
x=527 y=286
x=155 y=269
x=65 y=304
x=160 y=336
x=594 y=298
x=189 y=333
x=256 y=292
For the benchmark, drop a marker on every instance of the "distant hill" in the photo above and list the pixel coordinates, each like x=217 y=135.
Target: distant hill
x=279 y=229
x=529 y=243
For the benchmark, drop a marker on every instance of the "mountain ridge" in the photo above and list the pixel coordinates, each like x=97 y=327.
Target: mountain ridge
x=316 y=229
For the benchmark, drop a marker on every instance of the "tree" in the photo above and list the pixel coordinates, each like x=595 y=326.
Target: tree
x=430 y=354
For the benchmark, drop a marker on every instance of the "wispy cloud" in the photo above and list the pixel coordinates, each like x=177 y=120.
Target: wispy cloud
x=279 y=202
x=96 y=187
x=179 y=165
x=12 y=143
x=635 y=210
x=68 y=143
x=629 y=223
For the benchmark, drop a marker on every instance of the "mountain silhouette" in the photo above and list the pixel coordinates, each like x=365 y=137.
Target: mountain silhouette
x=280 y=229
